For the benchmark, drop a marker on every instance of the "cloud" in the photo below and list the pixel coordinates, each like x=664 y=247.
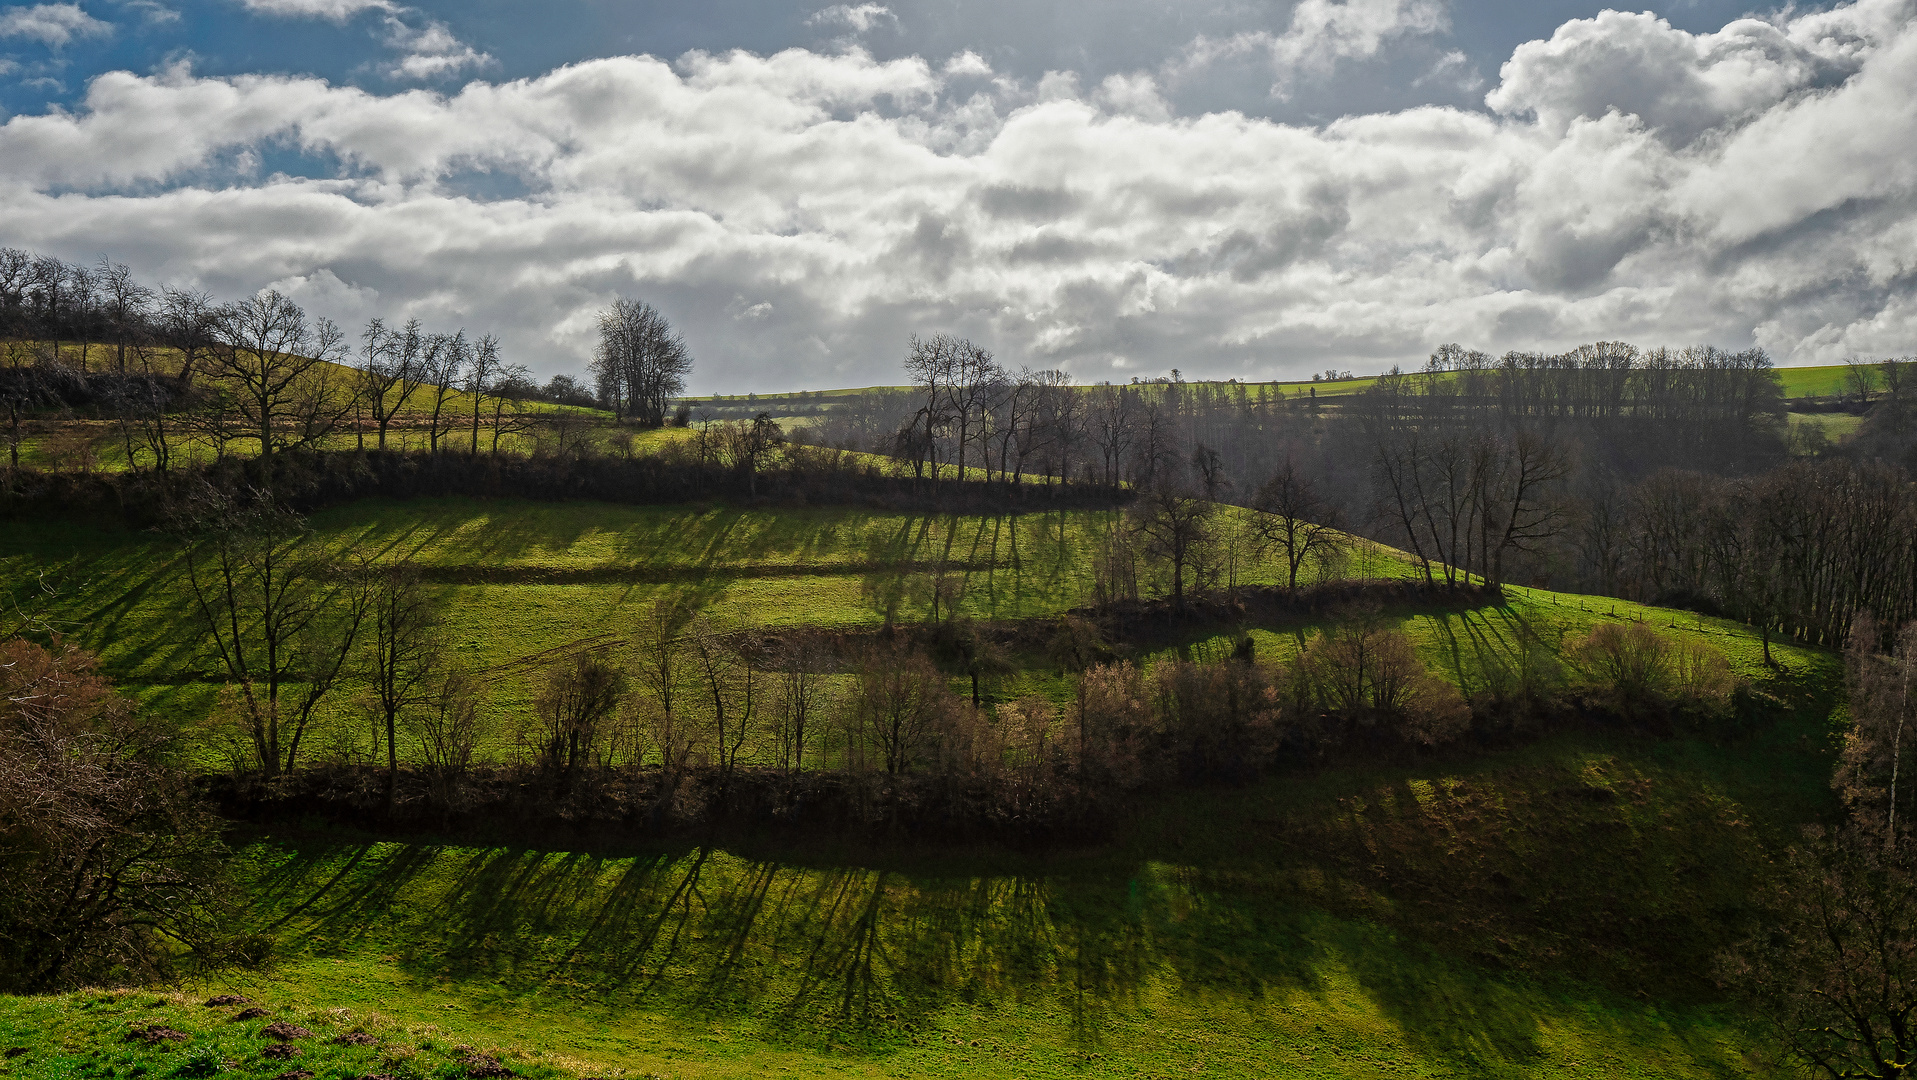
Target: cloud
x=858 y=18
x=1322 y=33
x=1680 y=84
x=799 y=214
x=431 y=51
x=152 y=11
x=51 y=24
x=333 y=10
x=428 y=48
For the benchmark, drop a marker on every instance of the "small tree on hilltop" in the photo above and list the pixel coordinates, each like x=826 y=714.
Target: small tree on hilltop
x=641 y=363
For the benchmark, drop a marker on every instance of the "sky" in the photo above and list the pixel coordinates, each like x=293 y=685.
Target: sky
x=1116 y=188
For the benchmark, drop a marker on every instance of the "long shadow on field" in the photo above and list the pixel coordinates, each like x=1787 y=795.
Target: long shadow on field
x=810 y=949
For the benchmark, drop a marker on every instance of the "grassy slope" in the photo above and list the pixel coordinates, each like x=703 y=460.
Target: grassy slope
x=89 y=1034
x=1544 y=911
x=522 y=577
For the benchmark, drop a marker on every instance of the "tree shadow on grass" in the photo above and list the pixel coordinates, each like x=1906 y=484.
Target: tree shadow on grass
x=810 y=953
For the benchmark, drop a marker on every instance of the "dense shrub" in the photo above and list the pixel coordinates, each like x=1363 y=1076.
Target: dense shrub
x=103 y=847
x=1373 y=680
x=1642 y=675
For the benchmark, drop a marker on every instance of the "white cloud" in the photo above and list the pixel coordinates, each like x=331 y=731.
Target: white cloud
x=858 y=18
x=152 y=12
x=1682 y=84
x=334 y=10
x=52 y=24
x=799 y=214
x=1322 y=33
x=428 y=48
x=431 y=51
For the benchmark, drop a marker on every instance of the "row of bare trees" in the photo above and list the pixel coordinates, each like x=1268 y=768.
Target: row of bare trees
x=1798 y=551
x=260 y=374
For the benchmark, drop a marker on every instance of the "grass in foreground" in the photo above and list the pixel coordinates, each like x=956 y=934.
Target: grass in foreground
x=1545 y=911
x=135 y=1033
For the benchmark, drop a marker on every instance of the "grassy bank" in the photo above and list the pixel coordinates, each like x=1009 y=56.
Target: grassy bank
x=1547 y=911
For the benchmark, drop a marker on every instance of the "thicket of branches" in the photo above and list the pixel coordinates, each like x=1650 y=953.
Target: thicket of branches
x=108 y=862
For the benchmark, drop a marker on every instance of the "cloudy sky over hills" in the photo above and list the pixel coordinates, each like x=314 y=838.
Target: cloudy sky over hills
x=1233 y=189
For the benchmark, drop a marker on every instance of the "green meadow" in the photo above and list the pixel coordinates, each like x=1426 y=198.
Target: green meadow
x=1546 y=909
x=522 y=579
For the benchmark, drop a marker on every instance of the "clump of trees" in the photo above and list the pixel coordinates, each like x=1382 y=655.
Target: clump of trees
x=641 y=363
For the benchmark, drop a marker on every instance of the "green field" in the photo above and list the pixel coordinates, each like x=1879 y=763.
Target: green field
x=519 y=578
x=1551 y=909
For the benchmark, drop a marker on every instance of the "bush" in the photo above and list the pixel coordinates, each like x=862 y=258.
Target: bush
x=1642 y=675
x=103 y=847
x=1372 y=678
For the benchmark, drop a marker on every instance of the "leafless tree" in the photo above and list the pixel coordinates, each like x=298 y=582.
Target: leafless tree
x=749 y=445
x=484 y=376
x=731 y=684
x=389 y=371
x=107 y=862
x=1294 y=519
x=1174 y=528
x=901 y=696
x=641 y=363
x=510 y=392
x=402 y=634
x=283 y=371
x=659 y=662
x=449 y=730
x=280 y=619
x=579 y=695
x=443 y=363
x=801 y=699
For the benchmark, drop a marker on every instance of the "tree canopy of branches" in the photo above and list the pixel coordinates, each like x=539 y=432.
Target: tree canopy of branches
x=640 y=364
x=281 y=621
x=282 y=371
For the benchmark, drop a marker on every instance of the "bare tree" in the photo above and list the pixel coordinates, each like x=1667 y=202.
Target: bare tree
x=659 y=661
x=282 y=622
x=389 y=371
x=1174 y=527
x=1834 y=967
x=901 y=696
x=932 y=365
x=732 y=687
x=510 y=391
x=579 y=695
x=107 y=862
x=282 y=369
x=188 y=320
x=750 y=444
x=483 y=376
x=1297 y=521
x=126 y=304
x=402 y=636
x=801 y=699
x=443 y=363
x=641 y=363
x=448 y=729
